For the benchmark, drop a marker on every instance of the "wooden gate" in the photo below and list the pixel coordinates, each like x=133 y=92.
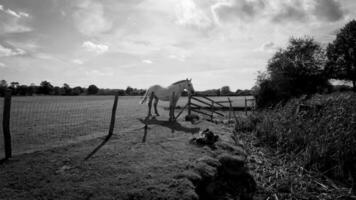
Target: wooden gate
x=204 y=105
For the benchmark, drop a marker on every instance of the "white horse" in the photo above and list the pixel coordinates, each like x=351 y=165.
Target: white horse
x=170 y=93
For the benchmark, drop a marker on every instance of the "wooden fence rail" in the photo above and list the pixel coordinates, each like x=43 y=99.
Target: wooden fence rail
x=211 y=106
x=199 y=102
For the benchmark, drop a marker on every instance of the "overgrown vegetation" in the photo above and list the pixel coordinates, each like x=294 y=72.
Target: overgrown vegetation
x=304 y=67
x=318 y=133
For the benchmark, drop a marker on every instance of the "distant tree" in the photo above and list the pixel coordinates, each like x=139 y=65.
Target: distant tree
x=92 y=89
x=121 y=92
x=225 y=91
x=77 y=90
x=129 y=90
x=13 y=87
x=32 y=89
x=3 y=87
x=67 y=89
x=341 y=54
x=23 y=90
x=58 y=91
x=45 y=88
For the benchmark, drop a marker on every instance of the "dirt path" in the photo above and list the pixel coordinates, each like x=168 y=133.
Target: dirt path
x=124 y=168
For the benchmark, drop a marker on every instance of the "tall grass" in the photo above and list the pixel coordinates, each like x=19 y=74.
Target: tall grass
x=320 y=132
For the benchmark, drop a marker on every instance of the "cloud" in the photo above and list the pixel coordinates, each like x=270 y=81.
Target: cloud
x=241 y=9
x=328 y=10
x=2 y=65
x=95 y=73
x=12 y=21
x=97 y=48
x=147 y=61
x=5 y=52
x=279 y=11
x=77 y=61
x=90 y=19
x=189 y=14
x=181 y=58
x=268 y=47
x=17 y=14
x=290 y=11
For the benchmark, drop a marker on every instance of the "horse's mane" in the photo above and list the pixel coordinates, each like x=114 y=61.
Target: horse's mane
x=178 y=82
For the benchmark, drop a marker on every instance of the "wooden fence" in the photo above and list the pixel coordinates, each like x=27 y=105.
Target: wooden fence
x=209 y=107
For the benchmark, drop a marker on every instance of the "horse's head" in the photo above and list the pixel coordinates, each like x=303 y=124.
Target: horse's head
x=189 y=86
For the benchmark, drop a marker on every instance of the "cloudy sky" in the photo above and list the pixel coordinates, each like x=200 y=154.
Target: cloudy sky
x=138 y=43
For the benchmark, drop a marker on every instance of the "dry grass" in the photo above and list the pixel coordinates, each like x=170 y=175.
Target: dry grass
x=312 y=141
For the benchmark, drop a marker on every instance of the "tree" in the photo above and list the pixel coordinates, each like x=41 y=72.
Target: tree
x=67 y=90
x=45 y=88
x=3 y=87
x=92 y=89
x=77 y=90
x=14 y=86
x=129 y=90
x=291 y=72
x=341 y=54
x=225 y=91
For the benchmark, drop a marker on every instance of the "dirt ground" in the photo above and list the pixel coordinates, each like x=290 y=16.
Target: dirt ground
x=124 y=168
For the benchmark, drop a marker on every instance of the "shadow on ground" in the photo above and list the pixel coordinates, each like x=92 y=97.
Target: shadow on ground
x=174 y=126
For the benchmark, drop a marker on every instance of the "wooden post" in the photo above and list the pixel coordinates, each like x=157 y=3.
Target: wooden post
x=189 y=108
x=6 y=124
x=113 y=115
x=245 y=106
x=111 y=128
x=212 y=111
x=230 y=108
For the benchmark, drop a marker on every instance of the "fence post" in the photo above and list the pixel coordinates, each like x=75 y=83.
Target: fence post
x=212 y=111
x=6 y=124
x=113 y=115
x=189 y=101
x=245 y=106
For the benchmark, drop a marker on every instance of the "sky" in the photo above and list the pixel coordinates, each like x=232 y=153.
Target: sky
x=139 y=43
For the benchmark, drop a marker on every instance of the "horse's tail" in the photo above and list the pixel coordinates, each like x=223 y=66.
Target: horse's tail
x=144 y=98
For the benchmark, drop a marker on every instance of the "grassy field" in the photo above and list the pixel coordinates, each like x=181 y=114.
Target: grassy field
x=124 y=168
x=43 y=122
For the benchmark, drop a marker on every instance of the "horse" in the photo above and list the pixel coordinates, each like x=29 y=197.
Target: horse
x=170 y=93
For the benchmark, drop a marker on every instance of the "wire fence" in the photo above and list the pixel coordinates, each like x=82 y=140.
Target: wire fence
x=43 y=122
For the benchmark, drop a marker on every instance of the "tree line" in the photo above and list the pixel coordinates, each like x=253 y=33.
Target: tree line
x=305 y=68
x=46 y=88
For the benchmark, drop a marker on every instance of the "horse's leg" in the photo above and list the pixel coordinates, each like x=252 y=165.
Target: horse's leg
x=155 y=105
x=150 y=104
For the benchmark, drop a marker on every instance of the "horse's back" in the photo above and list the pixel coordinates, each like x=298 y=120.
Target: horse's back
x=160 y=92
